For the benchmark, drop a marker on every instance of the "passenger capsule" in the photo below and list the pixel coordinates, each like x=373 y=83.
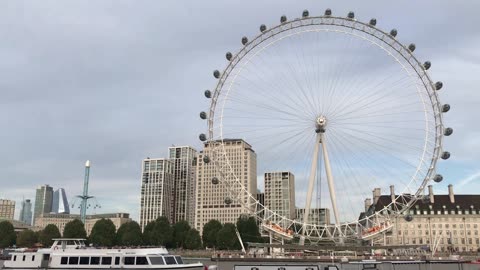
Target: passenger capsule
x=438 y=85
x=203 y=115
x=244 y=40
x=305 y=13
x=351 y=15
x=263 y=28
x=228 y=56
x=283 y=19
x=448 y=131
x=408 y=218
x=228 y=201
x=373 y=22
x=393 y=33
x=215 y=181
x=427 y=65
x=206 y=159
x=216 y=74
x=328 y=12
x=411 y=47
x=445 y=155
x=445 y=108
x=438 y=178
x=208 y=94
x=202 y=137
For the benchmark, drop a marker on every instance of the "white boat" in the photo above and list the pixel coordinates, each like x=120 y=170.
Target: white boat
x=71 y=253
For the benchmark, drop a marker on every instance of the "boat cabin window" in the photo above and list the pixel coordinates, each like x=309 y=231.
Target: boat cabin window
x=141 y=261
x=84 y=260
x=156 y=260
x=170 y=260
x=24 y=258
x=14 y=258
x=64 y=260
x=117 y=260
x=106 y=260
x=72 y=260
x=95 y=260
x=33 y=258
x=129 y=260
x=179 y=259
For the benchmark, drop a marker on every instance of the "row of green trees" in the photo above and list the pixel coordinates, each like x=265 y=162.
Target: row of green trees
x=157 y=233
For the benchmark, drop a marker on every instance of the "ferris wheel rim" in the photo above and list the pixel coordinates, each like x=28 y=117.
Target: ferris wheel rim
x=335 y=21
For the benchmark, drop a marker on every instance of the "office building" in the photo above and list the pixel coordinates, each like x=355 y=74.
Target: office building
x=60 y=220
x=156 y=190
x=7 y=209
x=26 y=212
x=213 y=197
x=60 y=202
x=443 y=223
x=43 y=201
x=280 y=194
x=317 y=216
x=183 y=159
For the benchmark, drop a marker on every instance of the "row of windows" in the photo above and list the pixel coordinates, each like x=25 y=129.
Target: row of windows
x=139 y=260
x=24 y=258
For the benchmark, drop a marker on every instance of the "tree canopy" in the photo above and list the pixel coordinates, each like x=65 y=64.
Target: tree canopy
x=129 y=234
x=26 y=238
x=159 y=232
x=193 y=240
x=227 y=238
x=210 y=231
x=74 y=229
x=7 y=234
x=46 y=235
x=248 y=229
x=103 y=233
x=180 y=230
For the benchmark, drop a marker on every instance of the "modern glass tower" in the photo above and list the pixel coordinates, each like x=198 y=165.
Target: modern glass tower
x=43 y=201
x=60 y=202
x=26 y=212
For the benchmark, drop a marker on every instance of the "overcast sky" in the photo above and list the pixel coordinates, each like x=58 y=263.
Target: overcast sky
x=117 y=81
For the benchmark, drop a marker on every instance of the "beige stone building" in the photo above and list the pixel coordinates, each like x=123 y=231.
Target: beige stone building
x=211 y=195
x=440 y=222
x=280 y=194
x=60 y=220
x=7 y=209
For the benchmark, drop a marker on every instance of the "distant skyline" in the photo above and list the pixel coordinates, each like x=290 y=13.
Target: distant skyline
x=115 y=82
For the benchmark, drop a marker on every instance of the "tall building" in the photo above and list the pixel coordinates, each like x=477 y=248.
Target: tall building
x=60 y=202
x=211 y=195
x=60 y=220
x=43 y=201
x=444 y=223
x=280 y=193
x=184 y=159
x=26 y=212
x=156 y=191
x=317 y=216
x=7 y=209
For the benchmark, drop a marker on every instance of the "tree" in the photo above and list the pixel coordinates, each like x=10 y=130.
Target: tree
x=74 y=229
x=193 y=240
x=159 y=232
x=7 y=234
x=103 y=233
x=26 y=238
x=148 y=233
x=248 y=229
x=129 y=234
x=46 y=235
x=210 y=231
x=180 y=230
x=227 y=237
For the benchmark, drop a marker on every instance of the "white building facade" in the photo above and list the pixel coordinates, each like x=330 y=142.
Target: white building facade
x=280 y=194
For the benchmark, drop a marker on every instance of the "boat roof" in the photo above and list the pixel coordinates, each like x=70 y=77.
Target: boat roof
x=69 y=239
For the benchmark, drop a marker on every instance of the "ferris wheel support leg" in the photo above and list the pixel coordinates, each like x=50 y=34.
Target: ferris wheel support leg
x=311 y=182
x=328 y=171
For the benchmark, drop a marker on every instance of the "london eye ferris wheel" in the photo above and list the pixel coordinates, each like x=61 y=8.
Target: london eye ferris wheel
x=343 y=106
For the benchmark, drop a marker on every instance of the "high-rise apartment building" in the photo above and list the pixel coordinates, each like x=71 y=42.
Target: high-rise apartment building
x=26 y=212
x=280 y=193
x=183 y=159
x=7 y=209
x=211 y=195
x=156 y=191
x=60 y=202
x=43 y=201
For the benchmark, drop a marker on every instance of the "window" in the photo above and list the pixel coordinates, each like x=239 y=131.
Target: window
x=64 y=260
x=95 y=260
x=14 y=258
x=106 y=260
x=179 y=259
x=117 y=260
x=141 y=261
x=73 y=260
x=156 y=260
x=84 y=260
x=129 y=260
x=170 y=260
x=33 y=258
x=23 y=259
